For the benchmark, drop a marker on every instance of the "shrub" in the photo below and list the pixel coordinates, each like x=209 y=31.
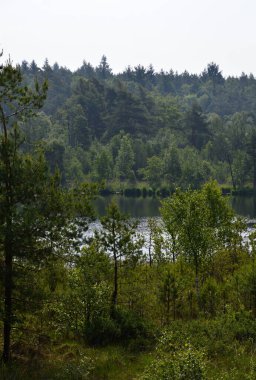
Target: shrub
x=186 y=364
x=124 y=327
x=102 y=331
x=133 y=327
x=176 y=359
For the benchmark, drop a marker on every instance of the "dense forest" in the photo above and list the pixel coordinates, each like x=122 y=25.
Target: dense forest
x=142 y=128
x=113 y=305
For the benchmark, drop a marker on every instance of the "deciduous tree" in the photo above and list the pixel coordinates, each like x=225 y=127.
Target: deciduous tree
x=201 y=220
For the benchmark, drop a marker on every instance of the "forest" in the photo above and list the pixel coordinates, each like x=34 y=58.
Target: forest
x=146 y=129
x=114 y=305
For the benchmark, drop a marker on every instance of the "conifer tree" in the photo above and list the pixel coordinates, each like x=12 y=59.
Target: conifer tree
x=36 y=214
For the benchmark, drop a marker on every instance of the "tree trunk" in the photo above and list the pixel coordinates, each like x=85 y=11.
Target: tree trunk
x=173 y=247
x=114 y=298
x=254 y=174
x=115 y=256
x=8 y=287
x=149 y=250
x=8 y=248
x=114 y=294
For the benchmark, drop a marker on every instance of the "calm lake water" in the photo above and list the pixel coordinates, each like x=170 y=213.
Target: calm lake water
x=149 y=207
x=144 y=208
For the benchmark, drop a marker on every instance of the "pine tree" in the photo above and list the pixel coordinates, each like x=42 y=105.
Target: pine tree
x=36 y=214
x=118 y=239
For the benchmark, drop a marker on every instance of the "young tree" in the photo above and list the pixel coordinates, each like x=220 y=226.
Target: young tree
x=85 y=299
x=103 y=165
x=213 y=74
x=103 y=70
x=196 y=127
x=200 y=220
x=172 y=165
x=125 y=159
x=169 y=295
x=119 y=239
x=153 y=172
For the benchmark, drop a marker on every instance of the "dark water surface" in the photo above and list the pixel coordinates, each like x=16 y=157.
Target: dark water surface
x=149 y=207
x=244 y=206
x=134 y=207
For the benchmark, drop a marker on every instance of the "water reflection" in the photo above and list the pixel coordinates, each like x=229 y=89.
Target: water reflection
x=135 y=207
x=149 y=207
x=244 y=206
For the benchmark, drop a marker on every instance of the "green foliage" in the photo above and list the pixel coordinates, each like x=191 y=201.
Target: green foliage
x=196 y=126
x=194 y=170
x=120 y=240
x=198 y=220
x=210 y=118
x=132 y=326
x=123 y=327
x=153 y=172
x=176 y=362
x=102 y=331
x=78 y=369
x=119 y=236
x=125 y=159
x=172 y=166
x=103 y=165
x=169 y=295
x=37 y=214
x=168 y=129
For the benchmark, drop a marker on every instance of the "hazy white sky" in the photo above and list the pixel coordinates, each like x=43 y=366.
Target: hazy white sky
x=170 y=34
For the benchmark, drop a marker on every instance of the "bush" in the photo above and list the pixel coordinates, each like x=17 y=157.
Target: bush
x=176 y=359
x=102 y=331
x=241 y=325
x=131 y=325
x=76 y=370
x=124 y=327
x=187 y=363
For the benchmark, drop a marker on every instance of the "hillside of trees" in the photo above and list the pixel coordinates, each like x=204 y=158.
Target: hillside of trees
x=146 y=128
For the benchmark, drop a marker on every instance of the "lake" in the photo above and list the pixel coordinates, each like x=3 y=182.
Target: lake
x=149 y=207
x=144 y=208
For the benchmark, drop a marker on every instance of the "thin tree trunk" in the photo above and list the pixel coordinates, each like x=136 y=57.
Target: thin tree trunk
x=254 y=173
x=8 y=246
x=115 y=255
x=8 y=288
x=7 y=305
x=149 y=250
x=114 y=295
x=173 y=247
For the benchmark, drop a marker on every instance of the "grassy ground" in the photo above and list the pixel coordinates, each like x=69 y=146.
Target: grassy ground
x=230 y=354
x=73 y=361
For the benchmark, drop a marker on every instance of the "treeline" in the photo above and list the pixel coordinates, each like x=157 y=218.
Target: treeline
x=146 y=128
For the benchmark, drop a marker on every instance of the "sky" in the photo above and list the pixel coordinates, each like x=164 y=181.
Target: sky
x=169 y=34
